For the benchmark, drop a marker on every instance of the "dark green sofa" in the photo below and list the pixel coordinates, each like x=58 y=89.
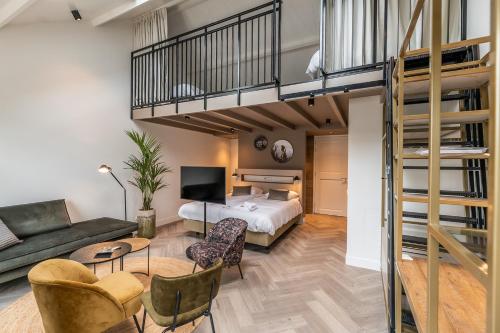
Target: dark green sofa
x=47 y=232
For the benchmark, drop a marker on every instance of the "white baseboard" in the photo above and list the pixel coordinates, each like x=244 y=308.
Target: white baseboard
x=362 y=262
x=167 y=220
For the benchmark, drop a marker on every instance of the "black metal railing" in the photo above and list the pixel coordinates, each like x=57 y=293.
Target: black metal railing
x=237 y=53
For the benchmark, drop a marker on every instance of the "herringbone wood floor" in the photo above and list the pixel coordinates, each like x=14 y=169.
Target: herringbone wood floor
x=302 y=285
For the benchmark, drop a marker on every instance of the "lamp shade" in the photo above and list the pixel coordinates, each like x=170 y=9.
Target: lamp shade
x=104 y=168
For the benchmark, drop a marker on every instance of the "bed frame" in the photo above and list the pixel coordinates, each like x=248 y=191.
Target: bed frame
x=265 y=179
x=256 y=238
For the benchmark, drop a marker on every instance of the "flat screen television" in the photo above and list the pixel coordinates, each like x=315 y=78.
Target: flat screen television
x=206 y=184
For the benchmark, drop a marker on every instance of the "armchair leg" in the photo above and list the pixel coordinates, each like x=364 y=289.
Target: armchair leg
x=144 y=321
x=241 y=273
x=137 y=324
x=212 y=322
x=194 y=268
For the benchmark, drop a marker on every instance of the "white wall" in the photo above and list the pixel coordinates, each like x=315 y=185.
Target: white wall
x=300 y=28
x=64 y=92
x=478 y=21
x=364 y=182
x=181 y=147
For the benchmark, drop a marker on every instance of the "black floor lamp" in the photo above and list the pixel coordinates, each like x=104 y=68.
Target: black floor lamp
x=107 y=169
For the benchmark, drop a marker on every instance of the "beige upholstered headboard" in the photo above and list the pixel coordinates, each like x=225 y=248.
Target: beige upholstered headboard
x=271 y=179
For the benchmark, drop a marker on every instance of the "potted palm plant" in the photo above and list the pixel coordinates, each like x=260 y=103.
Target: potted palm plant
x=148 y=178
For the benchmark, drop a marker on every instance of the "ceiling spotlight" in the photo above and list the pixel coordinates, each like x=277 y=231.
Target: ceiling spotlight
x=310 y=101
x=232 y=130
x=187 y=117
x=76 y=15
x=328 y=124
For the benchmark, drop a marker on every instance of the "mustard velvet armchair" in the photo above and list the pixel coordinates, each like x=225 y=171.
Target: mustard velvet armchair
x=175 y=301
x=72 y=299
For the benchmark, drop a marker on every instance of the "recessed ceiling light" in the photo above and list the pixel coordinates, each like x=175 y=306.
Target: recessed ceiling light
x=76 y=15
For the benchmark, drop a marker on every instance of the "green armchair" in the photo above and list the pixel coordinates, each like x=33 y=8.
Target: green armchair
x=72 y=299
x=173 y=302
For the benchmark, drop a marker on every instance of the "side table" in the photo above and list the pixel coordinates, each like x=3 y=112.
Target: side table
x=138 y=244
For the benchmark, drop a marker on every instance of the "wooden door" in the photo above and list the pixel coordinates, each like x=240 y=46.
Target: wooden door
x=330 y=175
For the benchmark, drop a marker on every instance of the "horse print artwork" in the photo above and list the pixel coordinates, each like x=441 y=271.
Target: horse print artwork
x=282 y=151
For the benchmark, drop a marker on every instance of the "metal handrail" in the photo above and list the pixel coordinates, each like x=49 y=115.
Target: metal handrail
x=202 y=62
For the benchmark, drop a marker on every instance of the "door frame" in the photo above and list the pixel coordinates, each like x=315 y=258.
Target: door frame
x=315 y=167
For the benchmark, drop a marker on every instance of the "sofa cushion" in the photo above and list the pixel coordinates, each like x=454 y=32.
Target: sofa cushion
x=103 y=225
x=58 y=242
x=35 y=218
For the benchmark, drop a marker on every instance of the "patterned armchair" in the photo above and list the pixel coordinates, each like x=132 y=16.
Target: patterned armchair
x=225 y=240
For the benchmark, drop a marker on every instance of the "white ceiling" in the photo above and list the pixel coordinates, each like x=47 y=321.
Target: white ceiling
x=60 y=10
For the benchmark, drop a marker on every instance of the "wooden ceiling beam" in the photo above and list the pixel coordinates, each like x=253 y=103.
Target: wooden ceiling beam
x=188 y=120
x=165 y=122
x=244 y=119
x=295 y=107
x=219 y=121
x=336 y=110
x=271 y=116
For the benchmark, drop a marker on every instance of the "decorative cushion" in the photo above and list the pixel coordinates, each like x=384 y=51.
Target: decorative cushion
x=278 y=195
x=7 y=238
x=242 y=190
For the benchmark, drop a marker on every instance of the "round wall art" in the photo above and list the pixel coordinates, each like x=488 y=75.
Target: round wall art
x=260 y=142
x=282 y=151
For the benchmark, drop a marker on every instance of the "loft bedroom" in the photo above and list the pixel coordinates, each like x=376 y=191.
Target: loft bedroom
x=258 y=69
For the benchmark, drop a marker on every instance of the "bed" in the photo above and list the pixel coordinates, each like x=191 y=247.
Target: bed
x=267 y=223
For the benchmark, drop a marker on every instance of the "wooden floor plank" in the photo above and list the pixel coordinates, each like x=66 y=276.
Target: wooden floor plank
x=462 y=298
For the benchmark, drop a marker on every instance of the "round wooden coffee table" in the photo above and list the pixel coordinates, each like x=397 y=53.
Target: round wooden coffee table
x=138 y=244
x=86 y=255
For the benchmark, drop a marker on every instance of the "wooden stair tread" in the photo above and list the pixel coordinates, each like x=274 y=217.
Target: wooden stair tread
x=447 y=200
x=461 y=117
x=462 y=299
x=448 y=156
x=461 y=65
x=460 y=79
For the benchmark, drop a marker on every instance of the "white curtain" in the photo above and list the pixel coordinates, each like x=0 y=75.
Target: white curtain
x=400 y=12
x=349 y=33
x=350 y=29
x=150 y=28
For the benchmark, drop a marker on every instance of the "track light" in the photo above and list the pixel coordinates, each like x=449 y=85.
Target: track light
x=76 y=15
x=310 y=101
x=328 y=124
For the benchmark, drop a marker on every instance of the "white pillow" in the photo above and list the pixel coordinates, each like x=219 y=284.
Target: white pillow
x=256 y=190
x=313 y=68
x=291 y=194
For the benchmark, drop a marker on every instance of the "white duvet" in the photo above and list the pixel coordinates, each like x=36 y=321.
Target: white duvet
x=269 y=216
